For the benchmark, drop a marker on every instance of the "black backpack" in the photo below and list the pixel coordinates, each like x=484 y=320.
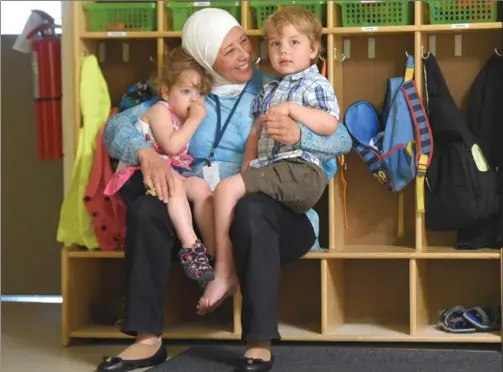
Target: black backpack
x=461 y=187
x=485 y=121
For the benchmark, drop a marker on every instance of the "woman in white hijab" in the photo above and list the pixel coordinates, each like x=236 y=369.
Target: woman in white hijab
x=264 y=234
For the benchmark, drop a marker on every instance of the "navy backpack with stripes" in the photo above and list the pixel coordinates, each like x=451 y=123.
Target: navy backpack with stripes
x=397 y=145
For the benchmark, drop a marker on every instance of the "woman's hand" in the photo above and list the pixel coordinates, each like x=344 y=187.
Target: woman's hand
x=158 y=176
x=281 y=128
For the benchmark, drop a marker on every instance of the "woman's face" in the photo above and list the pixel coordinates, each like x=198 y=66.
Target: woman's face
x=234 y=59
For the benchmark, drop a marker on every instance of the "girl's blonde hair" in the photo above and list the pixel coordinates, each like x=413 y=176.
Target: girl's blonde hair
x=177 y=61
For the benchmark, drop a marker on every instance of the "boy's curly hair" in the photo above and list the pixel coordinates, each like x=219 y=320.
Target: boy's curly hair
x=177 y=61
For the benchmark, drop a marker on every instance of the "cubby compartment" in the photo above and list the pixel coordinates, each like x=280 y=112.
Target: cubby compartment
x=180 y=317
x=445 y=283
x=372 y=210
x=460 y=58
x=299 y=300
x=94 y=296
x=367 y=299
x=125 y=63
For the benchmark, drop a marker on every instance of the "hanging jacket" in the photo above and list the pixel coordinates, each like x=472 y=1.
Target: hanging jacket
x=75 y=225
x=108 y=214
x=485 y=120
x=461 y=188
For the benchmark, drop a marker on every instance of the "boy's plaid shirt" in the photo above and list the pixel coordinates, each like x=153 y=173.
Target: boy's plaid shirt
x=307 y=88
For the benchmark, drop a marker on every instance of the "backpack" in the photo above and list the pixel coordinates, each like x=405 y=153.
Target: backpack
x=485 y=121
x=397 y=145
x=461 y=186
x=138 y=93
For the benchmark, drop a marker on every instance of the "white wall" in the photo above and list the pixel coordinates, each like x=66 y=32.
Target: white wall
x=14 y=14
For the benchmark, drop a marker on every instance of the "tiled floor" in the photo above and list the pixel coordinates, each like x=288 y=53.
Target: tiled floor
x=31 y=342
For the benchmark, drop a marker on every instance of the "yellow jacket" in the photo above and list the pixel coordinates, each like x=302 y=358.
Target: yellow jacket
x=75 y=225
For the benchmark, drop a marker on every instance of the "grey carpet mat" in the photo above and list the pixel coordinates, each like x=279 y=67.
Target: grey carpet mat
x=337 y=359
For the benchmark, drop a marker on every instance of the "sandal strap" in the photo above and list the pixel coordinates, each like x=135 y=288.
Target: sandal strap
x=452 y=321
x=484 y=318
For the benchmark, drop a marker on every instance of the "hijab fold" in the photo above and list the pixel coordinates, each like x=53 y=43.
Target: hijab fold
x=202 y=37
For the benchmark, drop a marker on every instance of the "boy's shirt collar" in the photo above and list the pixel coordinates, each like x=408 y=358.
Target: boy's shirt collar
x=313 y=69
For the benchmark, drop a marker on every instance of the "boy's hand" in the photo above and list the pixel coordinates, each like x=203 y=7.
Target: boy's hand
x=197 y=111
x=282 y=108
x=281 y=128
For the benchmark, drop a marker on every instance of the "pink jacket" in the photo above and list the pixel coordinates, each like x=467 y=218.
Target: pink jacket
x=108 y=214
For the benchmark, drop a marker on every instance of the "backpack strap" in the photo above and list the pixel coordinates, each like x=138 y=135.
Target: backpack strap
x=407 y=78
x=373 y=163
x=424 y=138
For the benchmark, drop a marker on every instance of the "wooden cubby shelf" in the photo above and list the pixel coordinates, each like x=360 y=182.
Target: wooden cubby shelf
x=368 y=284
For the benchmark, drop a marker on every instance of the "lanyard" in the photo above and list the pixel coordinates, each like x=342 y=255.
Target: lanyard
x=219 y=133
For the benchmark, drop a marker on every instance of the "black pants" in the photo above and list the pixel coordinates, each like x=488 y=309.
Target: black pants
x=264 y=234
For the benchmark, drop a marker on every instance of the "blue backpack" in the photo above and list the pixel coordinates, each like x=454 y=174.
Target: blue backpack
x=396 y=146
x=137 y=93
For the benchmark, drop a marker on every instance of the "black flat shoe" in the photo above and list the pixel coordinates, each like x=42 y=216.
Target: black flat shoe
x=116 y=364
x=255 y=365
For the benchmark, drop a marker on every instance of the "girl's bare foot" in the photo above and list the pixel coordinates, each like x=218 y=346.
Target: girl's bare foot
x=216 y=292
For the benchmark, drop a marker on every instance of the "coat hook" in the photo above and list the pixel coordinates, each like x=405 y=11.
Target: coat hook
x=338 y=56
x=423 y=54
x=498 y=53
x=153 y=60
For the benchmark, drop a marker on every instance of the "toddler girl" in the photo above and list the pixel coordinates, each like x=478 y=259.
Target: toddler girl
x=168 y=126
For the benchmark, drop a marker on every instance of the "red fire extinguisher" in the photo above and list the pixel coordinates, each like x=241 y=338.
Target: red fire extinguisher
x=46 y=65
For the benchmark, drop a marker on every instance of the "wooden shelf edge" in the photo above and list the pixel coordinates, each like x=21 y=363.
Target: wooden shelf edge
x=460 y=27
x=122 y=35
x=339 y=31
x=346 y=332
x=349 y=252
x=368 y=30
x=174 y=333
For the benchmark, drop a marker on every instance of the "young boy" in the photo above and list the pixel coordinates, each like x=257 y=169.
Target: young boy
x=288 y=174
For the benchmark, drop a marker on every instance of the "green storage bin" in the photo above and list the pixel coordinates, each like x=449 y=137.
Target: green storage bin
x=357 y=13
x=114 y=16
x=265 y=8
x=462 y=11
x=181 y=11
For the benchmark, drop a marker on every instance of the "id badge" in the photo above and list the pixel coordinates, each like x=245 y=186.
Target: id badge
x=211 y=174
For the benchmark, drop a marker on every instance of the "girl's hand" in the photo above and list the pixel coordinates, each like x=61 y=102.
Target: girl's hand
x=197 y=111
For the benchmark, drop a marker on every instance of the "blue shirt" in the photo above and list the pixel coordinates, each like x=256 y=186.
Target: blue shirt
x=123 y=140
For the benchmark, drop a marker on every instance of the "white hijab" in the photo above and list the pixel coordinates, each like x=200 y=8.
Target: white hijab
x=202 y=36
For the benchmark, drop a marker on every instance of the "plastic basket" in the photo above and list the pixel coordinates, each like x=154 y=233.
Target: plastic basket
x=462 y=11
x=265 y=8
x=376 y=13
x=181 y=11
x=140 y=16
